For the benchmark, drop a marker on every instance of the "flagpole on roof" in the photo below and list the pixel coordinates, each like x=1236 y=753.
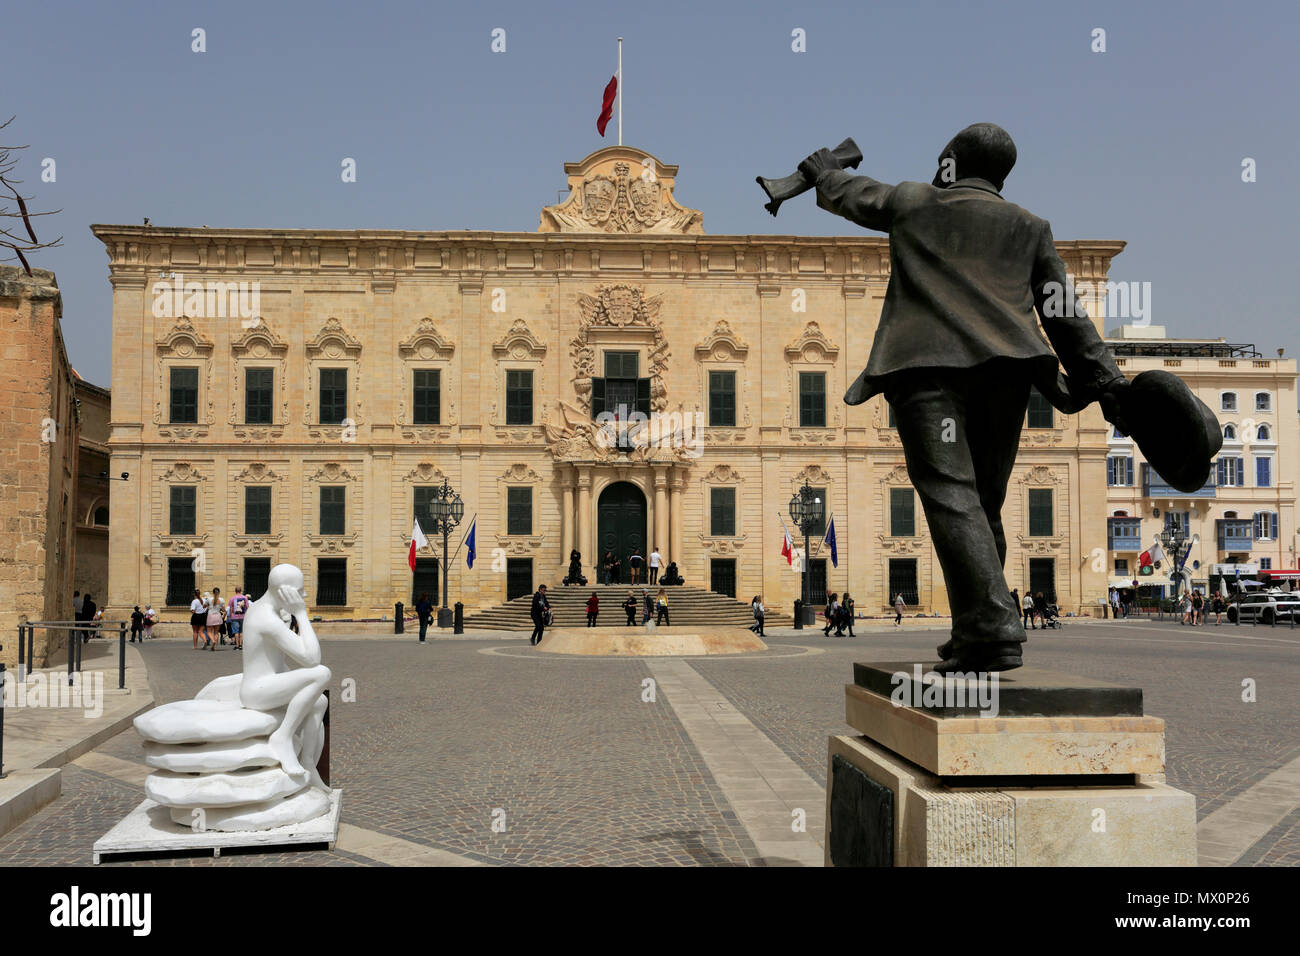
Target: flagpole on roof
x=620 y=91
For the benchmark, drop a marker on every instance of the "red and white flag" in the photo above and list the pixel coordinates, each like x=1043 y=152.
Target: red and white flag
x=787 y=549
x=418 y=540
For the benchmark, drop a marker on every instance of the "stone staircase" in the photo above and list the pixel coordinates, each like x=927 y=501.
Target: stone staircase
x=686 y=605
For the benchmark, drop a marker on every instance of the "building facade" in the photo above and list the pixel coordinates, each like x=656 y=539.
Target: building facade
x=90 y=574
x=1243 y=519
x=299 y=395
x=38 y=464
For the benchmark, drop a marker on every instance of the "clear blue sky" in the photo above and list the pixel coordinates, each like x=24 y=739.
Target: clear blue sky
x=1142 y=143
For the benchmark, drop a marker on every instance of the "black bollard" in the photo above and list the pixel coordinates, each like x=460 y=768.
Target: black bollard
x=399 y=622
x=31 y=647
x=73 y=638
x=121 y=656
x=21 y=647
x=458 y=625
x=798 y=614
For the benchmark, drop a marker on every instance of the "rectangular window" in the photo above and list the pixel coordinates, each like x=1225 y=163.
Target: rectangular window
x=1265 y=526
x=722 y=512
x=180 y=582
x=1125 y=534
x=256 y=573
x=1266 y=564
x=333 y=510
x=1040 y=512
x=1119 y=471
x=621 y=365
x=1042 y=577
x=425 y=580
x=427 y=397
x=1121 y=567
x=1040 y=410
x=258 y=392
x=184 y=397
x=519 y=577
x=1231 y=472
x=812 y=399
x=1263 y=402
x=1236 y=534
x=902 y=512
x=1179 y=523
x=424 y=498
x=817 y=582
x=902 y=580
x=722 y=399
x=819 y=526
x=890 y=421
x=519 y=396
x=257 y=509
x=331 y=582
x=722 y=576
x=1228 y=402
x=519 y=511
x=182 y=508
x=1264 y=472
x=333 y=396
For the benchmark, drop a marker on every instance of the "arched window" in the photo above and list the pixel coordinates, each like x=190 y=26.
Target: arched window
x=1120 y=514
x=1230 y=432
x=1228 y=401
x=101 y=516
x=1263 y=402
x=1230 y=514
x=1263 y=433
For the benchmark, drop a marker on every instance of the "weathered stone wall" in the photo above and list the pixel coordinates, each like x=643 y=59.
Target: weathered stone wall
x=38 y=463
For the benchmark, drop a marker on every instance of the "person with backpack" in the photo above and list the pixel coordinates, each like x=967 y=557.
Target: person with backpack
x=848 y=610
x=235 y=617
x=662 y=607
x=830 y=611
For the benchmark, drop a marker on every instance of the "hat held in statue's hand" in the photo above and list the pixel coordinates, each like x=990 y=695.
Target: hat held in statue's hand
x=1177 y=432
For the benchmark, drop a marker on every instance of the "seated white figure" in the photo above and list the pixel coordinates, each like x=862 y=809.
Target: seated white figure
x=247 y=746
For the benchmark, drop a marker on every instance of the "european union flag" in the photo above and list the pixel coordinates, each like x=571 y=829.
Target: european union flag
x=830 y=539
x=469 y=554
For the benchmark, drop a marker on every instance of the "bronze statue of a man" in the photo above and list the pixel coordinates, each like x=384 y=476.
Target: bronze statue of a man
x=955 y=354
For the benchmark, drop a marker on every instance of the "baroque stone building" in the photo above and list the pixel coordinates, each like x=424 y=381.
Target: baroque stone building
x=296 y=395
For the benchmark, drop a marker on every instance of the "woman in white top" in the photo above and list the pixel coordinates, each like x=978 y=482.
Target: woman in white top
x=757 y=606
x=198 y=616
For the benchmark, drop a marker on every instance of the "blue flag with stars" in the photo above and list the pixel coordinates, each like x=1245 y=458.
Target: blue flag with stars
x=469 y=541
x=830 y=540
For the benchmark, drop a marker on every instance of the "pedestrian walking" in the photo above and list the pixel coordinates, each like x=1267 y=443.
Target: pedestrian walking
x=648 y=608
x=1198 y=608
x=593 y=609
x=540 y=613
x=198 y=617
x=829 y=612
x=137 y=625
x=656 y=559
x=1217 y=606
x=630 y=607
x=216 y=618
x=87 y=617
x=1040 y=608
x=423 y=613
x=235 y=611
x=635 y=562
x=77 y=601
x=899 y=606
x=756 y=606
x=661 y=605
x=850 y=611
x=607 y=567
x=211 y=620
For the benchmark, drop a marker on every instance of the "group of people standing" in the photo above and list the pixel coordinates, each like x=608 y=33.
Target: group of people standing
x=213 y=619
x=1193 y=607
x=1033 y=607
x=611 y=566
x=656 y=607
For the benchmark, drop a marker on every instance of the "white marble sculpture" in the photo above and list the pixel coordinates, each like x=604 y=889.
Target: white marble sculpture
x=244 y=750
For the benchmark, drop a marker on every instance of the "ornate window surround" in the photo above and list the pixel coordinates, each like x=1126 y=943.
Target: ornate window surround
x=811 y=351
x=258 y=347
x=723 y=350
x=184 y=346
x=518 y=350
x=332 y=347
x=722 y=476
x=426 y=348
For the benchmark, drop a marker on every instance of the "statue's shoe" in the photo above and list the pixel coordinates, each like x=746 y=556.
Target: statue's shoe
x=979 y=664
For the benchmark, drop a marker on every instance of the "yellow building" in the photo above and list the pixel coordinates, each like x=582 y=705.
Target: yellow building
x=297 y=395
x=1243 y=519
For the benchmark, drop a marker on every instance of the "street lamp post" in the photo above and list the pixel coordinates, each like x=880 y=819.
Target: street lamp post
x=447 y=510
x=806 y=510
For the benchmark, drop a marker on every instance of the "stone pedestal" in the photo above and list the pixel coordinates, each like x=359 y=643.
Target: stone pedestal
x=1037 y=769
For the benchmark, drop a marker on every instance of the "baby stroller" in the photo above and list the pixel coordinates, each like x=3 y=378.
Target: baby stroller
x=1052 y=616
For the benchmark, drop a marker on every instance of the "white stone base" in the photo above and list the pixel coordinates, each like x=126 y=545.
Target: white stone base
x=149 y=829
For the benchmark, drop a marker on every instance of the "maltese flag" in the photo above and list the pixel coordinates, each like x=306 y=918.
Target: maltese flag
x=787 y=549
x=418 y=540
